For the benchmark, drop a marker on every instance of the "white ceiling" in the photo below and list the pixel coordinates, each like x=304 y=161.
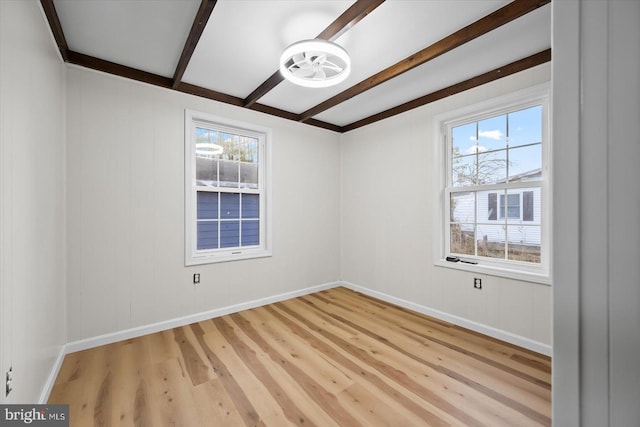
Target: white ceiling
x=145 y=34
x=243 y=39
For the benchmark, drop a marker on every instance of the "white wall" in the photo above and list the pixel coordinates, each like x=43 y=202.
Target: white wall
x=387 y=219
x=596 y=375
x=32 y=220
x=126 y=209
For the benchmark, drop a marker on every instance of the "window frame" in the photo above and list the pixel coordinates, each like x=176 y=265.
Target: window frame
x=193 y=255
x=533 y=272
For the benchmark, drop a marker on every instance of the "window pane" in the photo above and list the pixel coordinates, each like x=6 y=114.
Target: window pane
x=529 y=204
x=229 y=205
x=463 y=139
x=248 y=149
x=248 y=175
x=524 y=242
x=230 y=146
x=492 y=133
x=207 y=153
x=492 y=167
x=463 y=170
x=229 y=234
x=491 y=241
x=228 y=174
x=512 y=206
x=208 y=143
x=525 y=126
x=487 y=205
x=207 y=235
x=250 y=206
x=462 y=238
x=525 y=163
x=250 y=233
x=206 y=171
x=463 y=207
x=207 y=205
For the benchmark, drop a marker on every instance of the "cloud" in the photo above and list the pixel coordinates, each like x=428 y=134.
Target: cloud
x=491 y=134
x=476 y=149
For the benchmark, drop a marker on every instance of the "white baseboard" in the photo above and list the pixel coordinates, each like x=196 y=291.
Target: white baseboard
x=87 y=343
x=51 y=379
x=186 y=320
x=509 y=337
x=109 y=338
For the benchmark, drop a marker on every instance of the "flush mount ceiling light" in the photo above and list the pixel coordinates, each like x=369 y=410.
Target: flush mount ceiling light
x=315 y=63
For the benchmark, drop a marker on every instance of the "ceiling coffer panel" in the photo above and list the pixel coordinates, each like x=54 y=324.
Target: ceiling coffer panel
x=402 y=51
x=147 y=35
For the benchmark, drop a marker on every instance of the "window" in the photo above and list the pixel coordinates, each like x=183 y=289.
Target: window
x=494 y=182
x=226 y=203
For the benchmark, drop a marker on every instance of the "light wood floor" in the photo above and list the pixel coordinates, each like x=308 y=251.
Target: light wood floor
x=334 y=358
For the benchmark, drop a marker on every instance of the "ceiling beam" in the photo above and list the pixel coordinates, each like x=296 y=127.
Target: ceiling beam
x=343 y=23
x=167 y=83
x=117 y=69
x=199 y=23
x=350 y=18
x=480 y=27
x=498 y=73
x=56 y=28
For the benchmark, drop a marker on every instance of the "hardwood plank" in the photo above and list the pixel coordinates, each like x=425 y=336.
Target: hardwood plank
x=160 y=346
x=398 y=376
x=332 y=358
x=170 y=395
x=329 y=376
x=215 y=404
x=505 y=398
x=245 y=408
x=425 y=410
x=320 y=395
x=373 y=409
x=294 y=414
x=196 y=364
x=450 y=361
x=141 y=411
x=127 y=383
x=484 y=347
x=441 y=347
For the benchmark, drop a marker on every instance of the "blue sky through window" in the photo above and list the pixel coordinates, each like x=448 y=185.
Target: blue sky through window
x=487 y=141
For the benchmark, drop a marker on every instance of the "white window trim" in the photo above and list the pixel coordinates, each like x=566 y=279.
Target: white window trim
x=535 y=95
x=197 y=257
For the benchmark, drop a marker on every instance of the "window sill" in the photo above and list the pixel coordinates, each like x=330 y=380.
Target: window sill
x=526 y=276
x=226 y=257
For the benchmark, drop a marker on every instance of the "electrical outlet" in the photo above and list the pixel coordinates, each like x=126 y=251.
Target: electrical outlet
x=477 y=283
x=196 y=278
x=8 y=381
